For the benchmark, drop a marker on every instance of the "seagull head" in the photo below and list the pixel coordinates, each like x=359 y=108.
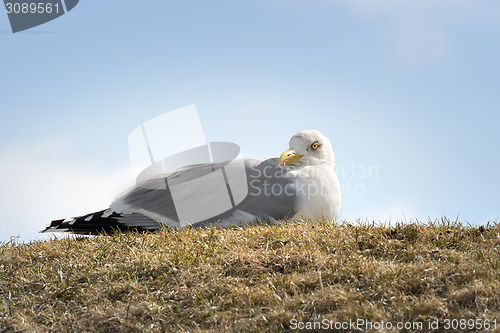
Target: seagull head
x=308 y=147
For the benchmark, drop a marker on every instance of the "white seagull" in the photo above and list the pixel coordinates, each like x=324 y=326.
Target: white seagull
x=301 y=183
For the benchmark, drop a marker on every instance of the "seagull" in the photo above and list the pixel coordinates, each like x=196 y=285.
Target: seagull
x=300 y=184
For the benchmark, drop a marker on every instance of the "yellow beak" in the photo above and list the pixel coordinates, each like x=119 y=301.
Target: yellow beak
x=289 y=157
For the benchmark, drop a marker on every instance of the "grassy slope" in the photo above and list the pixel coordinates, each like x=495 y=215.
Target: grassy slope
x=252 y=278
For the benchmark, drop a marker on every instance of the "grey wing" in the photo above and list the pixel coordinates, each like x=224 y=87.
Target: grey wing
x=272 y=191
x=217 y=193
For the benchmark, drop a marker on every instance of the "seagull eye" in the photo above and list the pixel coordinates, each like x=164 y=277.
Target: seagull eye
x=315 y=146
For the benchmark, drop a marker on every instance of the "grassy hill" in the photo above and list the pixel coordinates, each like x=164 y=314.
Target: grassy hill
x=257 y=278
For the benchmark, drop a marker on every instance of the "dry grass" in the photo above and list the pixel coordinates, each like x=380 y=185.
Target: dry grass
x=256 y=278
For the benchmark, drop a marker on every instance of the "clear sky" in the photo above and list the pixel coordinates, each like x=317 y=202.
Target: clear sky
x=407 y=91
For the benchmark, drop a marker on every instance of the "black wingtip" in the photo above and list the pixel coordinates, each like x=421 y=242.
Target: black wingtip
x=98 y=223
x=52 y=226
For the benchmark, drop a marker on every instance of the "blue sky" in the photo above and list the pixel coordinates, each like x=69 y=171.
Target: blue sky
x=407 y=91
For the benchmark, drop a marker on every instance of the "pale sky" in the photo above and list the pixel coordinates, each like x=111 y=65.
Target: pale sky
x=407 y=91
